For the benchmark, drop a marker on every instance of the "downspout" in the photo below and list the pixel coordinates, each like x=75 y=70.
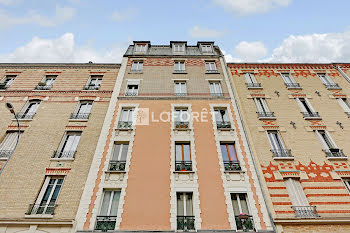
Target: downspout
x=250 y=149
x=342 y=72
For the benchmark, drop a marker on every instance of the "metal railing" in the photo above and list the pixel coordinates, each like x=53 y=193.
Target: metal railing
x=217 y=94
x=181 y=124
x=212 y=71
x=311 y=114
x=334 y=152
x=91 y=87
x=282 y=153
x=223 y=125
x=253 y=85
x=332 y=86
x=265 y=114
x=185 y=223
x=305 y=211
x=125 y=125
x=105 y=223
x=3 y=86
x=292 y=85
x=232 y=166
x=43 y=87
x=131 y=93
x=180 y=94
x=64 y=154
x=136 y=70
x=244 y=222
x=179 y=71
x=41 y=209
x=115 y=165
x=183 y=166
x=79 y=116
x=5 y=153
x=24 y=115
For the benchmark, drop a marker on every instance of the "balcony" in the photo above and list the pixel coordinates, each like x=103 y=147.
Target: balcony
x=125 y=125
x=253 y=85
x=131 y=93
x=41 y=209
x=43 y=87
x=305 y=211
x=63 y=154
x=186 y=223
x=91 y=87
x=244 y=222
x=232 y=166
x=282 y=154
x=105 y=223
x=181 y=124
x=180 y=71
x=116 y=165
x=212 y=71
x=136 y=71
x=266 y=115
x=335 y=153
x=311 y=115
x=80 y=116
x=217 y=94
x=293 y=86
x=332 y=86
x=180 y=94
x=185 y=166
x=25 y=115
x=223 y=125
x=5 y=153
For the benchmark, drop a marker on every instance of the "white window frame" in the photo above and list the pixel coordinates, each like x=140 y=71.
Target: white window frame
x=80 y=104
x=130 y=115
x=137 y=66
x=98 y=81
x=49 y=79
x=287 y=78
x=346 y=182
x=73 y=144
x=134 y=91
x=325 y=79
x=223 y=118
x=239 y=203
x=181 y=66
x=184 y=204
x=207 y=48
x=345 y=104
x=122 y=145
x=215 y=87
x=179 y=112
x=250 y=78
x=9 y=141
x=277 y=142
x=302 y=107
x=261 y=105
x=28 y=107
x=210 y=66
x=10 y=79
x=180 y=87
x=296 y=192
x=323 y=142
x=178 y=47
x=110 y=201
x=140 y=48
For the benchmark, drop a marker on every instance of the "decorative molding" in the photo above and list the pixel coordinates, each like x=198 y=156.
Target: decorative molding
x=57 y=171
x=75 y=127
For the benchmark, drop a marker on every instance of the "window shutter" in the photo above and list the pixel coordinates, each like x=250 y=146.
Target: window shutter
x=9 y=141
x=296 y=192
x=344 y=105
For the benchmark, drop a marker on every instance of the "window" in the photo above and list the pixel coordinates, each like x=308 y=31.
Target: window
x=306 y=108
x=211 y=67
x=137 y=66
x=68 y=145
x=329 y=146
x=29 y=110
x=178 y=48
x=251 y=81
x=108 y=211
x=222 y=119
x=185 y=218
x=94 y=82
x=183 y=157
x=180 y=88
x=181 y=118
x=7 y=81
x=244 y=221
x=328 y=82
x=46 y=83
x=126 y=118
x=345 y=104
x=46 y=201
x=83 y=110
x=132 y=90
x=347 y=184
x=215 y=88
x=118 y=161
x=289 y=81
x=8 y=144
x=229 y=156
x=263 y=109
x=299 y=201
x=140 y=48
x=206 y=48
x=277 y=145
x=179 y=66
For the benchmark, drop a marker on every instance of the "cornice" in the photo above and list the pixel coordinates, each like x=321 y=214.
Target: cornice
x=60 y=65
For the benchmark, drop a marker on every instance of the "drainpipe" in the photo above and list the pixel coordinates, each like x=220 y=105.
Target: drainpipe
x=342 y=72
x=249 y=146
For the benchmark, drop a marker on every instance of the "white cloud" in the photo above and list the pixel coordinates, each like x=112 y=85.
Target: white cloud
x=246 y=7
x=63 y=49
x=201 y=32
x=8 y=2
x=124 y=15
x=62 y=15
x=250 y=51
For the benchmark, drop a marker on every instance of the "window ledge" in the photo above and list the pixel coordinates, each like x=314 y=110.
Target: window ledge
x=19 y=119
x=78 y=120
x=255 y=88
x=225 y=129
x=294 y=88
x=62 y=159
x=184 y=172
x=337 y=158
x=283 y=158
x=108 y=171
x=121 y=129
x=213 y=72
x=3 y=158
x=267 y=118
x=312 y=118
x=39 y=216
x=234 y=171
x=135 y=72
x=40 y=90
x=182 y=129
x=179 y=72
x=91 y=90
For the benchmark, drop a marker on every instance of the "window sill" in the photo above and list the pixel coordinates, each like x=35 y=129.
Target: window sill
x=19 y=119
x=108 y=171
x=184 y=172
x=182 y=129
x=122 y=129
x=254 y=88
x=90 y=90
x=333 y=88
x=46 y=216
x=283 y=158
x=135 y=72
x=267 y=118
x=213 y=72
x=294 y=88
x=78 y=120
x=225 y=129
x=234 y=171
x=62 y=159
x=179 y=72
x=337 y=158
x=3 y=158
x=312 y=118
x=41 y=90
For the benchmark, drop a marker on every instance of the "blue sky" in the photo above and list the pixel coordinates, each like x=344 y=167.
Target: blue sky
x=247 y=30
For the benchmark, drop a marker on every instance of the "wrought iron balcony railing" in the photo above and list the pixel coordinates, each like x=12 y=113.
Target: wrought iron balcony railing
x=223 y=125
x=116 y=165
x=105 y=223
x=91 y=87
x=332 y=86
x=83 y=116
x=292 y=85
x=266 y=114
x=305 y=211
x=282 y=153
x=136 y=70
x=186 y=223
x=232 y=166
x=183 y=166
x=41 y=209
x=311 y=114
x=25 y=115
x=244 y=222
x=179 y=71
x=43 y=87
x=212 y=71
x=125 y=125
x=64 y=154
x=5 y=153
x=181 y=124
x=334 y=152
x=253 y=85
x=131 y=93
x=180 y=94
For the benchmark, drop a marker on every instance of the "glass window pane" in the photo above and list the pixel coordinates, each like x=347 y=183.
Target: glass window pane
x=116 y=151
x=180 y=204
x=189 y=205
x=115 y=203
x=105 y=203
x=187 y=153
x=235 y=204
x=224 y=152
x=232 y=151
x=124 y=152
x=244 y=204
x=178 y=151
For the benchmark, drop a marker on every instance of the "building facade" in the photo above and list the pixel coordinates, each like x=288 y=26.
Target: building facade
x=297 y=120
x=61 y=110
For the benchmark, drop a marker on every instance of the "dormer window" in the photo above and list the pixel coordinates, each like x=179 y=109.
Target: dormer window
x=179 y=48
x=140 y=48
x=206 y=48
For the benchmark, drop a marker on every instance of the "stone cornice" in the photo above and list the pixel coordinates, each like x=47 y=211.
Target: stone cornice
x=60 y=65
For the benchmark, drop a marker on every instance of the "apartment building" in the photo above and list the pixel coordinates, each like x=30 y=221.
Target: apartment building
x=297 y=120
x=172 y=155
x=60 y=110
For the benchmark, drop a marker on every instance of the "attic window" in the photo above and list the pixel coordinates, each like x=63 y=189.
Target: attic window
x=206 y=48
x=179 y=48
x=140 y=48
